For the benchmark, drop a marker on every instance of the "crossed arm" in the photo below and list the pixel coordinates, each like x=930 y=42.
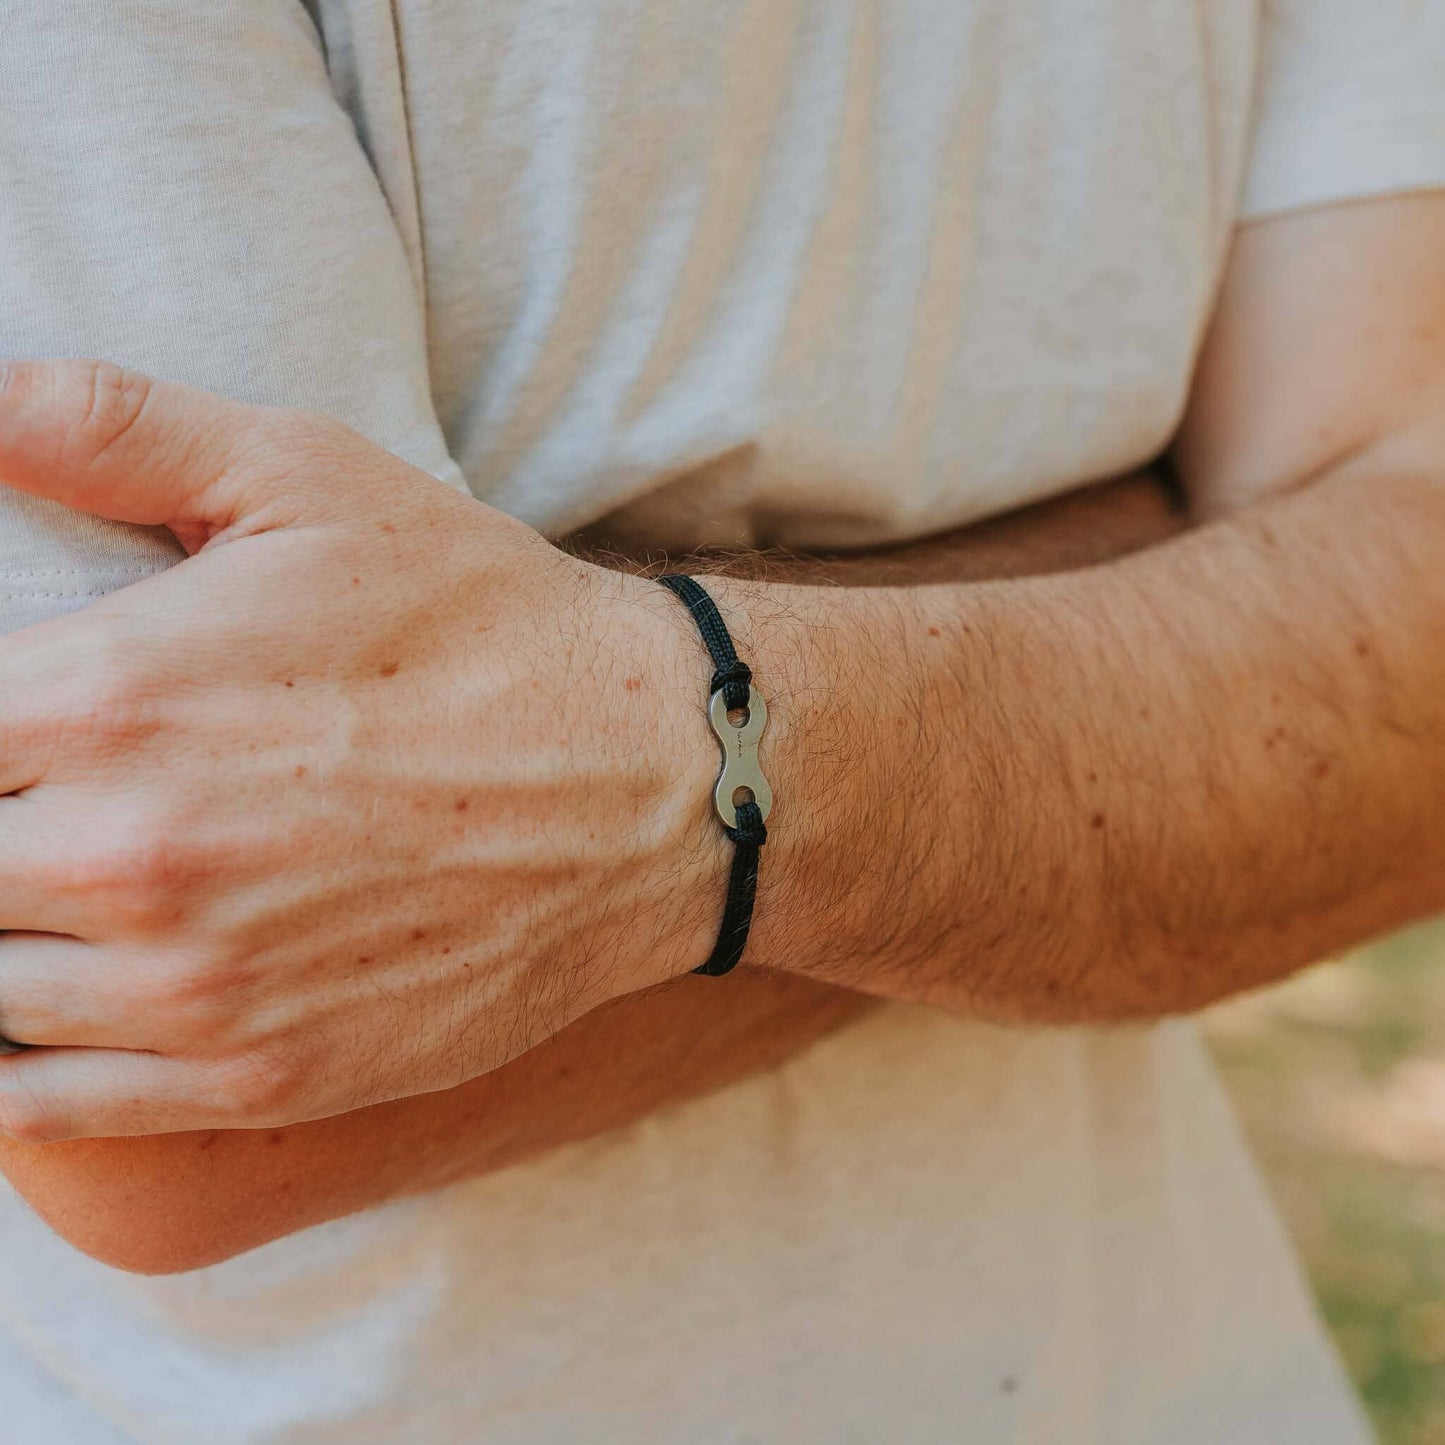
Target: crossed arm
x=1193 y=770
x=1135 y=787
x=177 y=1201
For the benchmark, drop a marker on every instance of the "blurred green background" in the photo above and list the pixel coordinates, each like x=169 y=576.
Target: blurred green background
x=1339 y=1076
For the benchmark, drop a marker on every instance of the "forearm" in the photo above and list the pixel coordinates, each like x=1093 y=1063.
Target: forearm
x=178 y=1201
x=1122 y=791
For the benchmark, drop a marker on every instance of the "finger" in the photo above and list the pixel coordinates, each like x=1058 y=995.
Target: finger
x=63 y=991
x=51 y=1094
x=112 y=442
x=75 y=691
x=74 y=863
x=43 y=890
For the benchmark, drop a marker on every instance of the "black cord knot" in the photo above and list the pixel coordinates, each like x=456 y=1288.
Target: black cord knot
x=734 y=681
x=750 y=830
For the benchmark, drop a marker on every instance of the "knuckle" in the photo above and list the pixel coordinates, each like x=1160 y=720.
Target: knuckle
x=24 y=1124
x=193 y=995
x=112 y=699
x=134 y=870
x=110 y=401
x=27 y=1118
x=148 y=859
x=99 y=680
x=260 y=1086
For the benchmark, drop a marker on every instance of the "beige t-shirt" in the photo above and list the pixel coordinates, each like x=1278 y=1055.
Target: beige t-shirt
x=810 y=271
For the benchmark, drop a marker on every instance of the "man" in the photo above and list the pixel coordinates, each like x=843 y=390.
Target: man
x=345 y=817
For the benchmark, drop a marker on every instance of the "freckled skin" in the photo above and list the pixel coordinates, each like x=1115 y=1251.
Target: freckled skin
x=1214 y=878
x=618 y=1064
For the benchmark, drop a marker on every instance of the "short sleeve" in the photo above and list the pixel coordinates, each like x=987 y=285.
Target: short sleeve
x=199 y=208
x=1350 y=102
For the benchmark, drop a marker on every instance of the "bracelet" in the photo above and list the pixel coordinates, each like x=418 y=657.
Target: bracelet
x=741 y=794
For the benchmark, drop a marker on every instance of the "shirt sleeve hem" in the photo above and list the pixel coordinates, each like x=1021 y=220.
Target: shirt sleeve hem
x=1369 y=162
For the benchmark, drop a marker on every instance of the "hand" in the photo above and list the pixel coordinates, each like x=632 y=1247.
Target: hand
x=373 y=792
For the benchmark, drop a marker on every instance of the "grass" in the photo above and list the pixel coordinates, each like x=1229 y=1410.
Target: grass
x=1339 y=1076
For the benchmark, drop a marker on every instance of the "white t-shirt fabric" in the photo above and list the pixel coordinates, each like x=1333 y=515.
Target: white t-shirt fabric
x=765 y=271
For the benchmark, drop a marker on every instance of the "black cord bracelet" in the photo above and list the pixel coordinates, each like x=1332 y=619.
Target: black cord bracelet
x=741 y=796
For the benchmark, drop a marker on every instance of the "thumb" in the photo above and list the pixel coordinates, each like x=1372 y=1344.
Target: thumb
x=105 y=440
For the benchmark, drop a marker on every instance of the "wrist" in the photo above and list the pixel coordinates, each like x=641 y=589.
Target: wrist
x=810 y=650
x=858 y=683
x=718 y=864
x=664 y=671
